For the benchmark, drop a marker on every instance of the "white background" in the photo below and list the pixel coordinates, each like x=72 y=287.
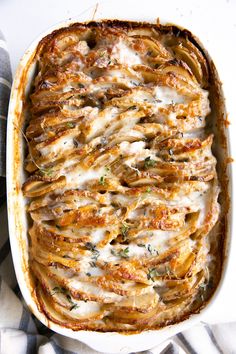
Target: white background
x=214 y=22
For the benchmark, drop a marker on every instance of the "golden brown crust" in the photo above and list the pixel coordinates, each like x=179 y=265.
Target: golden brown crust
x=122 y=176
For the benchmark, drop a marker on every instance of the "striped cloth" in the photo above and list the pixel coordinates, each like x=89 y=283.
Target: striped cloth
x=5 y=87
x=22 y=333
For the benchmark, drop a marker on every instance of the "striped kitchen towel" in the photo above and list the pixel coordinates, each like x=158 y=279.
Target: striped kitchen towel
x=21 y=333
x=5 y=88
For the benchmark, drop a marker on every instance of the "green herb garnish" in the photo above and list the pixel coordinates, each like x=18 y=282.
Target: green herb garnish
x=101 y=54
x=70 y=125
x=45 y=171
x=91 y=247
x=58 y=289
x=151 y=250
x=73 y=307
x=124 y=253
x=124 y=230
x=152 y=273
x=102 y=180
x=69 y=299
x=148 y=162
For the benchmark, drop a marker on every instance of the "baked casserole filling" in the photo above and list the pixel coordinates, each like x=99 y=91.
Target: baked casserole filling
x=122 y=183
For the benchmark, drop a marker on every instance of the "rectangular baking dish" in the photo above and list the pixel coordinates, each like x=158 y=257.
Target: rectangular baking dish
x=105 y=342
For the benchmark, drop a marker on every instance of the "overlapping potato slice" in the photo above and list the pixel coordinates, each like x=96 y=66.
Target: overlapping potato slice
x=122 y=186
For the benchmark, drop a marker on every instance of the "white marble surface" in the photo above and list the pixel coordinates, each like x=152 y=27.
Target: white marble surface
x=213 y=21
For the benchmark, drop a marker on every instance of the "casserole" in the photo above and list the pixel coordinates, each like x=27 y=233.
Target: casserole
x=16 y=177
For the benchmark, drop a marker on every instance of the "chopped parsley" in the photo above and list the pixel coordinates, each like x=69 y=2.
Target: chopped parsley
x=152 y=250
x=70 y=125
x=91 y=247
x=148 y=162
x=73 y=307
x=69 y=299
x=113 y=252
x=148 y=190
x=152 y=273
x=122 y=253
x=101 y=54
x=58 y=290
x=102 y=180
x=61 y=290
x=124 y=230
x=92 y=264
x=141 y=245
x=46 y=171
x=75 y=142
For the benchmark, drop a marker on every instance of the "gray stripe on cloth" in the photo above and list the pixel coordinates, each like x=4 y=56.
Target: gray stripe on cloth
x=4 y=251
x=41 y=328
x=2 y=185
x=16 y=290
x=31 y=344
x=4 y=99
x=3 y=126
x=5 y=84
x=213 y=339
x=186 y=344
x=59 y=350
x=170 y=349
x=5 y=68
x=24 y=320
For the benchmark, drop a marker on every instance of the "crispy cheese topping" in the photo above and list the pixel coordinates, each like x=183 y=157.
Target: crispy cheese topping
x=122 y=181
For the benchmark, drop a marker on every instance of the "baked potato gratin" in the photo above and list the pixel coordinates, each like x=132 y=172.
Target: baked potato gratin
x=122 y=183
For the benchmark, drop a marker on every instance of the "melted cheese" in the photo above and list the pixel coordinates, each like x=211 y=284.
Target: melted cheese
x=168 y=95
x=125 y=197
x=125 y=55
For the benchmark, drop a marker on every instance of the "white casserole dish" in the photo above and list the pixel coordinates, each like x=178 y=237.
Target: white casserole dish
x=105 y=342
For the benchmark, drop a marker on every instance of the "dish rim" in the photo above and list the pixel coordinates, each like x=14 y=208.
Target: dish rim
x=126 y=343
